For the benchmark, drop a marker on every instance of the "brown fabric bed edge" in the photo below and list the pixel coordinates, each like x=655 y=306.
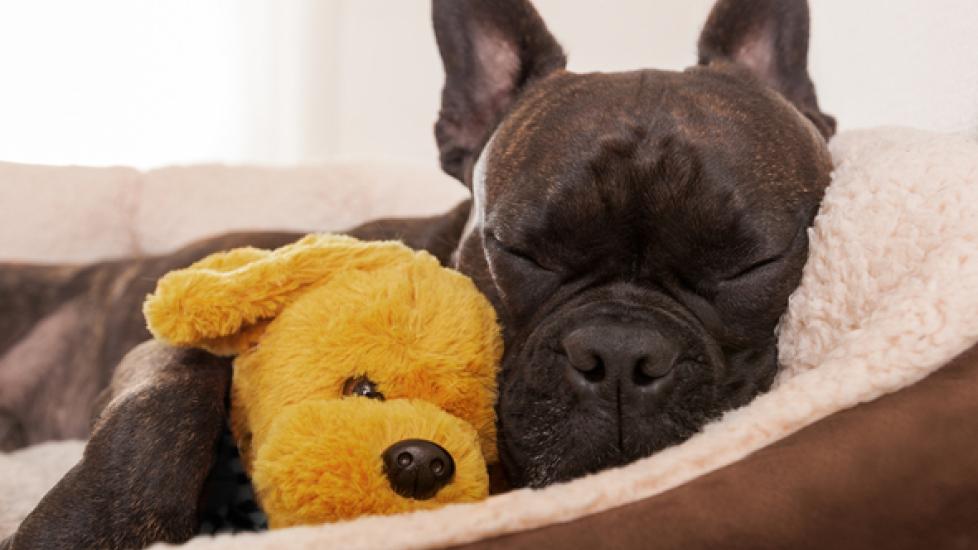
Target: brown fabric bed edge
x=898 y=472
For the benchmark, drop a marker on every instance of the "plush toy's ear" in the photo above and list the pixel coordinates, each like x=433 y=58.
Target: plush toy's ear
x=223 y=302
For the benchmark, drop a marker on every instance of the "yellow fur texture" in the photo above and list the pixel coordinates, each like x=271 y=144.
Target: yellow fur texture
x=308 y=317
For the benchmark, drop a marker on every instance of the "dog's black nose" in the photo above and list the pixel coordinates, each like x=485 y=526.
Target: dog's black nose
x=417 y=468
x=633 y=356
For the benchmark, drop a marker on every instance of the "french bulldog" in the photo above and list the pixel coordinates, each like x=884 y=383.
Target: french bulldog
x=638 y=233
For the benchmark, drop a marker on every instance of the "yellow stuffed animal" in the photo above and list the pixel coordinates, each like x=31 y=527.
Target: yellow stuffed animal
x=365 y=374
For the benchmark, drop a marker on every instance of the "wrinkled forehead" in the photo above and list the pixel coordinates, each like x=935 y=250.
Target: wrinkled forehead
x=575 y=129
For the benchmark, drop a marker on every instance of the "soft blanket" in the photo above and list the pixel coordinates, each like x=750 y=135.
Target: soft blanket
x=888 y=296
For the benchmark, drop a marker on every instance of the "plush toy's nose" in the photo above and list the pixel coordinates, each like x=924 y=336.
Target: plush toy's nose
x=417 y=468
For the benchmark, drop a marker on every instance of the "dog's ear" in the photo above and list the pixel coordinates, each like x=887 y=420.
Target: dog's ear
x=224 y=302
x=770 y=39
x=491 y=50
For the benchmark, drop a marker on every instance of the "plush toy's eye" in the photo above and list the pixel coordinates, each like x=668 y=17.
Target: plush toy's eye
x=362 y=386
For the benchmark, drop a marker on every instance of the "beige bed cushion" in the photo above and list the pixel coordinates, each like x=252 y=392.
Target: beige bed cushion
x=66 y=213
x=75 y=214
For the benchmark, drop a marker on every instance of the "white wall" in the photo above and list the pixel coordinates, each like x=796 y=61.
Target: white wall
x=148 y=83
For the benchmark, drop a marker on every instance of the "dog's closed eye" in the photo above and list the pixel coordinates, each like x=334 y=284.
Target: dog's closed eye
x=525 y=257
x=771 y=259
x=517 y=253
x=756 y=266
x=363 y=387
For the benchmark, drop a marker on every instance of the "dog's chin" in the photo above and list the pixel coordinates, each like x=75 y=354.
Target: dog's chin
x=548 y=435
x=583 y=449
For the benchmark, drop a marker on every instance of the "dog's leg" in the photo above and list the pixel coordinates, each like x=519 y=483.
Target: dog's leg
x=140 y=478
x=30 y=292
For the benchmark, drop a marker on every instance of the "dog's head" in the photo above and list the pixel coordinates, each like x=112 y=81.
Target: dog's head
x=639 y=233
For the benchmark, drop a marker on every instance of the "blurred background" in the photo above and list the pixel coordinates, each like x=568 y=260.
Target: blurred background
x=148 y=83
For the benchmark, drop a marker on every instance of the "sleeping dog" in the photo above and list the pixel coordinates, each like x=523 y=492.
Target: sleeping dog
x=638 y=233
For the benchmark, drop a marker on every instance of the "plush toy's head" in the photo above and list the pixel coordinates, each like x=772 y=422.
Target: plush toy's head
x=365 y=373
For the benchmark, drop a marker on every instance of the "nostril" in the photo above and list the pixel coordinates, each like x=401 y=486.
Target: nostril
x=647 y=370
x=404 y=459
x=592 y=370
x=639 y=375
x=584 y=359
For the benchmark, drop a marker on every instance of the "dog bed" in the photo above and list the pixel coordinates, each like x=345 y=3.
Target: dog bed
x=863 y=425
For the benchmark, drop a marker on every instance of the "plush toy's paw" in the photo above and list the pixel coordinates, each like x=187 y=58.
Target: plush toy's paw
x=330 y=460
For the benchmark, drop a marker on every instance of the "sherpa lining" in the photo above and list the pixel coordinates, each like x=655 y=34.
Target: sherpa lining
x=888 y=296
